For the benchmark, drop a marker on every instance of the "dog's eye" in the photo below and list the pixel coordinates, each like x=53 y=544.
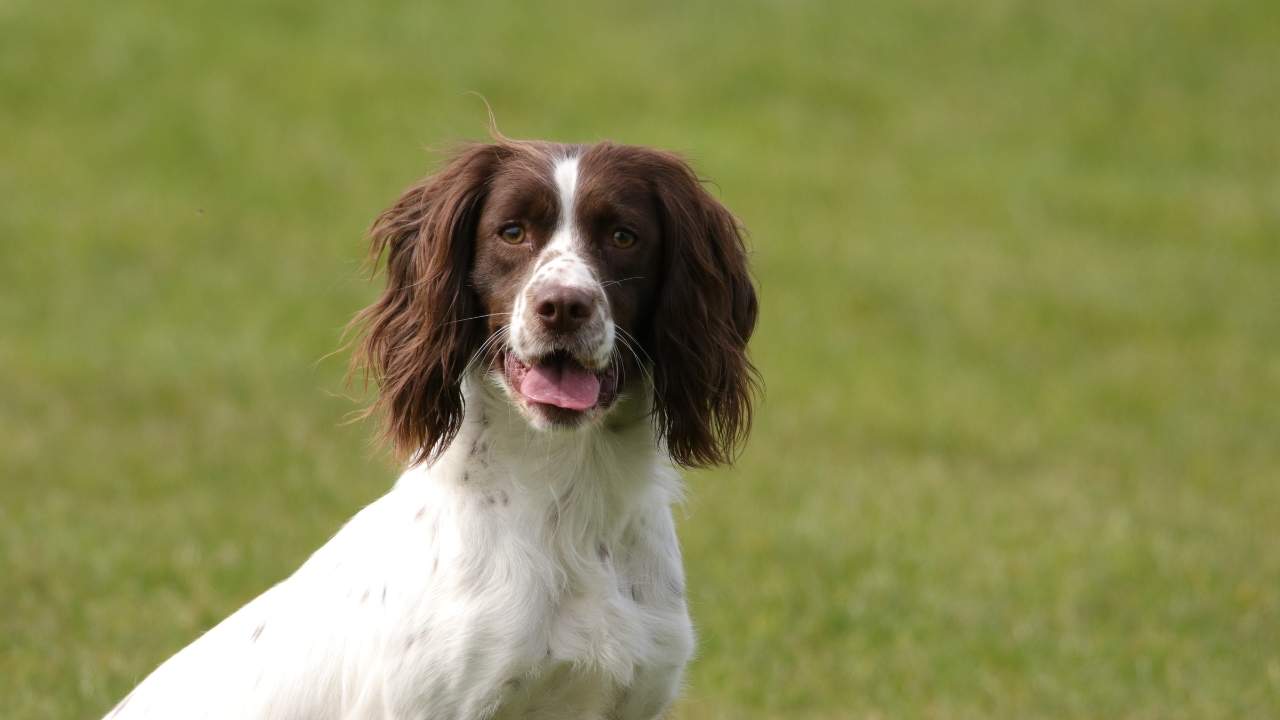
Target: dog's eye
x=623 y=238
x=512 y=234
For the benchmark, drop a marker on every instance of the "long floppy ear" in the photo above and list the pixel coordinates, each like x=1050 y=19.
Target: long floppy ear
x=704 y=383
x=418 y=336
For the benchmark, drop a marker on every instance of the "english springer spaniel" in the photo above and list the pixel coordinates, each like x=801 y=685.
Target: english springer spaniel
x=562 y=326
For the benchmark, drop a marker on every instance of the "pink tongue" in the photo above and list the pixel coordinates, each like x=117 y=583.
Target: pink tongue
x=564 y=385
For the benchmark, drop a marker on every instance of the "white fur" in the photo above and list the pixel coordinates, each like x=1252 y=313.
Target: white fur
x=562 y=262
x=525 y=574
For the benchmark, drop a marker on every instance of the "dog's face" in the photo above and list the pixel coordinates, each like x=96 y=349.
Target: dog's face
x=567 y=260
x=569 y=275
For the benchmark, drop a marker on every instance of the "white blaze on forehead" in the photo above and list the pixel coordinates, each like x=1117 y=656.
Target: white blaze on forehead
x=566 y=177
x=563 y=256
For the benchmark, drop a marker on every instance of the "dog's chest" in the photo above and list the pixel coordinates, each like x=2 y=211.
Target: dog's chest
x=590 y=639
x=593 y=648
x=550 y=612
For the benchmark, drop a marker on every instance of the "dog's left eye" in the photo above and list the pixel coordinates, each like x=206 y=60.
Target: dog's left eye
x=512 y=233
x=623 y=238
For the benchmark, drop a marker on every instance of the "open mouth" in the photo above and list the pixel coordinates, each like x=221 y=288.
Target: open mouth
x=559 y=381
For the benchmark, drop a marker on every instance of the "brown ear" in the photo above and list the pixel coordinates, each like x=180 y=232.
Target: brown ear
x=418 y=336
x=704 y=383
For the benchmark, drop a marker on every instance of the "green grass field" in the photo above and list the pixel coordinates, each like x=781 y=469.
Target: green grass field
x=1020 y=276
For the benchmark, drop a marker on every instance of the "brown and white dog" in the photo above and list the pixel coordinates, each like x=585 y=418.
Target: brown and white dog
x=562 y=326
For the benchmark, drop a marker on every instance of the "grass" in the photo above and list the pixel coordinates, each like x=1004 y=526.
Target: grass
x=1020 y=451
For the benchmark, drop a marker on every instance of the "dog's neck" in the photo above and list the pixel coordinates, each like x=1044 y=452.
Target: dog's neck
x=590 y=478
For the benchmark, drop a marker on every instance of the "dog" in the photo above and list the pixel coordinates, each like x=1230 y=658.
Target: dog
x=562 y=328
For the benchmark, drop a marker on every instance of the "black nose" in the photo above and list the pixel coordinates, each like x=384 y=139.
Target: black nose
x=563 y=309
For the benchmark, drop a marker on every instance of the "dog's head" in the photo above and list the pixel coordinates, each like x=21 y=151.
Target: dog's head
x=567 y=275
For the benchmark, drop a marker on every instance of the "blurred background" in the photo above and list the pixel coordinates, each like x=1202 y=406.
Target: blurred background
x=1020 y=451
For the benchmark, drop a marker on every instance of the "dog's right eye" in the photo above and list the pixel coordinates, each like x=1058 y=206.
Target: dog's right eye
x=512 y=234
